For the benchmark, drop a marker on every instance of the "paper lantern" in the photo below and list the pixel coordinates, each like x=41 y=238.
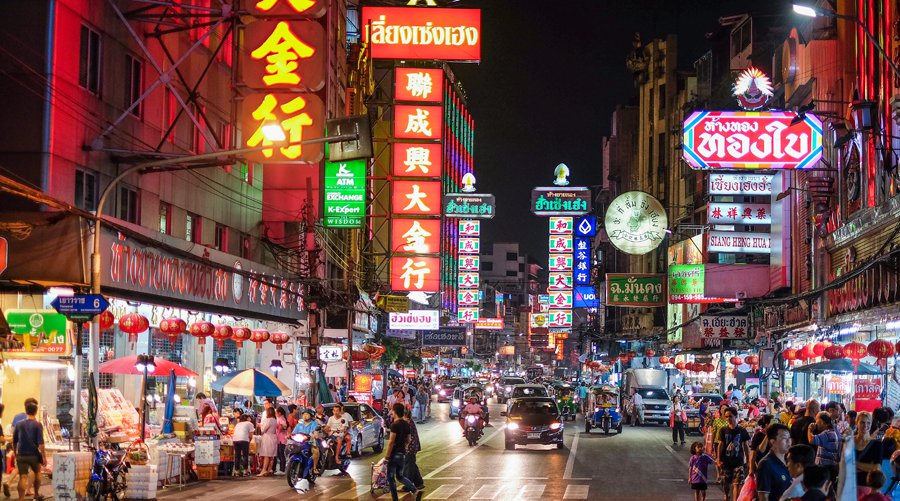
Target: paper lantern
x=807 y=352
x=107 y=320
x=833 y=352
x=855 y=352
x=819 y=348
x=259 y=337
x=751 y=360
x=133 y=324
x=649 y=353
x=663 y=360
x=201 y=330
x=789 y=354
x=279 y=339
x=735 y=361
x=172 y=328
x=709 y=367
x=239 y=335
x=689 y=366
x=221 y=333
x=880 y=349
x=680 y=366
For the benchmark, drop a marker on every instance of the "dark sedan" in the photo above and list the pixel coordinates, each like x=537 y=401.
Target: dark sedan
x=533 y=420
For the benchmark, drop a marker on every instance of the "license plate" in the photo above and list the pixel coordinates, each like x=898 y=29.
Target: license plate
x=534 y=435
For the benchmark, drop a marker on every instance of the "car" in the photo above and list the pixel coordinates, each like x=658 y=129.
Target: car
x=505 y=386
x=657 y=404
x=445 y=389
x=486 y=384
x=461 y=395
x=527 y=390
x=533 y=420
x=367 y=429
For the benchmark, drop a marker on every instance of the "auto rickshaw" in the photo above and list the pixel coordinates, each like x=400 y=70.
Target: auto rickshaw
x=565 y=400
x=605 y=403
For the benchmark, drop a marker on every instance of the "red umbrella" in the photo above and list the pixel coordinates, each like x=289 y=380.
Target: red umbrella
x=125 y=365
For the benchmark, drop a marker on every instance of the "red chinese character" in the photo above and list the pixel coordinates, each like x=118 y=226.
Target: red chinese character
x=716 y=213
x=748 y=213
x=732 y=213
x=761 y=213
x=708 y=332
x=723 y=332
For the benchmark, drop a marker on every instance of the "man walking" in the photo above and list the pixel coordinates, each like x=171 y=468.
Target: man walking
x=410 y=467
x=28 y=441
x=772 y=475
x=734 y=453
x=637 y=402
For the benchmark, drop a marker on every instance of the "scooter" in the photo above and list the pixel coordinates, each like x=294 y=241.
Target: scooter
x=298 y=450
x=107 y=476
x=474 y=428
x=328 y=456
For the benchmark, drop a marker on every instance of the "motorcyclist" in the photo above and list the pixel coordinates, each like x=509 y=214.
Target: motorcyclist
x=339 y=425
x=474 y=408
x=308 y=426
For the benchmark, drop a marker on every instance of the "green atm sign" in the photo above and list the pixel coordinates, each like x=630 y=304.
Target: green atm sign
x=345 y=194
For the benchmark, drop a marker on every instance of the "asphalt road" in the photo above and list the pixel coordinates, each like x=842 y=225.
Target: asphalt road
x=639 y=464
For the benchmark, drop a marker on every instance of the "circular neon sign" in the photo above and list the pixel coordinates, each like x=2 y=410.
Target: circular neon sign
x=636 y=222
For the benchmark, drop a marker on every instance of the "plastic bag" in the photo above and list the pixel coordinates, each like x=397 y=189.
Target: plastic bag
x=748 y=491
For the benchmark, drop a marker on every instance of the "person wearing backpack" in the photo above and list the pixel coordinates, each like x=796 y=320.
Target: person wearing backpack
x=734 y=453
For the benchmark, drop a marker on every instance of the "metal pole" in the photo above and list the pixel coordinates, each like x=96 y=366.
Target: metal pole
x=76 y=427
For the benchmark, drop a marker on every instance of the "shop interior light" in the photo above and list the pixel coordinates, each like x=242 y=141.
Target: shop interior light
x=222 y=365
x=849 y=330
x=177 y=398
x=145 y=363
x=894 y=324
x=192 y=382
x=276 y=366
x=18 y=365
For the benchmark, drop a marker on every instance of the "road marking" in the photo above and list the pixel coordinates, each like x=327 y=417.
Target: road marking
x=464 y=454
x=671 y=479
x=444 y=491
x=445 y=478
x=354 y=493
x=490 y=491
x=570 y=463
x=511 y=478
x=670 y=449
x=576 y=492
x=531 y=491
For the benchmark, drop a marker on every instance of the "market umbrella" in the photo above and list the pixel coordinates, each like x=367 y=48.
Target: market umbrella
x=126 y=365
x=324 y=392
x=170 y=404
x=251 y=382
x=92 y=429
x=840 y=365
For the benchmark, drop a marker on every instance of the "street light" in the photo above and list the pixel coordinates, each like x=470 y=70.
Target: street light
x=811 y=11
x=273 y=133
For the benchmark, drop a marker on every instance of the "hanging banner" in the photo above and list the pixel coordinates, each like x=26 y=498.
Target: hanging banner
x=561 y=243
x=422 y=34
x=561 y=262
x=560 y=318
x=635 y=289
x=560 y=281
x=469 y=245
x=561 y=299
x=467 y=315
x=467 y=297
x=469 y=263
x=738 y=213
x=751 y=140
x=740 y=184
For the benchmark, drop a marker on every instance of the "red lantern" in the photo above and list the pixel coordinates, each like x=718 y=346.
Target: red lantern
x=200 y=330
x=259 y=337
x=754 y=368
x=133 y=324
x=649 y=353
x=855 y=352
x=680 y=366
x=172 y=328
x=833 y=352
x=279 y=338
x=107 y=319
x=220 y=334
x=736 y=360
x=789 y=354
x=752 y=360
x=709 y=367
x=819 y=348
x=663 y=360
x=807 y=352
x=689 y=366
x=880 y=349
x=239 y=335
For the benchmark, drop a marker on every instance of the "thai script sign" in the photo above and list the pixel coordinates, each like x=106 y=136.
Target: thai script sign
x=740 y=184
x=635 y=289
x=419 y=84
x=728 y=327
x=422 y=34
x=469 y=205
x=867 y=389
x=636 y=222
x=838 y=385
x=751 y=140
x=445 y=336
x=414 y=320
x=738 y=213
x=345 y=194
x=41 y=332
x=750 y=243
x=490 y=324
x=686 y=284
x=560 y=201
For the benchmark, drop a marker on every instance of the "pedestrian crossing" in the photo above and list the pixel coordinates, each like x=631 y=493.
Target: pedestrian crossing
x=510 y=490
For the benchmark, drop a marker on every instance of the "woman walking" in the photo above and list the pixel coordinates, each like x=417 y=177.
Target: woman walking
x=268 y=446
x=281 y=432
x=677 y=418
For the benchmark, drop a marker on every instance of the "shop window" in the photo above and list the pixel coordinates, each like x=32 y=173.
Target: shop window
x=487 y=266
x=171 y=111
x=511 y=273
x=221 y=237
x=86 y=190
x=512 y=256
x=245 y=246
x=134 y=84
x=165 y=218
x=129 y=205
x=89 y=60
x=192 y=228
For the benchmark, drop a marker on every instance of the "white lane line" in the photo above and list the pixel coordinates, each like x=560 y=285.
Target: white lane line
x=671 y=479
x=670 y=449
x=445 y=478
x=444 y=491
x=531 y=491
x=576 y=492
x=490 y=491
x=511 y=478
x=464 y=454
x=570 y=463
x=354 y=493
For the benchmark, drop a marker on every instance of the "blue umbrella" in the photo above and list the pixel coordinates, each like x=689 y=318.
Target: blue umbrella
x=250 y=383
x=170 y=404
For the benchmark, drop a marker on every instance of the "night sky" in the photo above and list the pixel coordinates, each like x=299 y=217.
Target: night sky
x=551 y=73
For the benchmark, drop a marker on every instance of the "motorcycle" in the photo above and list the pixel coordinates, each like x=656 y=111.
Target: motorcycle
x=474 y=428
x=329 y=458
x=107 y=476
x=298 y=450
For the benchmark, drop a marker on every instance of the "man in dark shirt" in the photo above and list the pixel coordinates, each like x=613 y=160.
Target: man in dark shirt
x=28 y=440
x=801 y=424
x=772 y=475
x=733 y=454
x=816 y=480
x=396 y=453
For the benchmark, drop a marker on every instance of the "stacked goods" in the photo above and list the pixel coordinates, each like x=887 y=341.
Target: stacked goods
x=184 y=420
x=207 y=472
x=141 y=482
x=117 y=418
x=71 y=473
x=206 y=452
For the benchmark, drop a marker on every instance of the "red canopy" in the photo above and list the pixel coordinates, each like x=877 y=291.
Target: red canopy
x=125 y=365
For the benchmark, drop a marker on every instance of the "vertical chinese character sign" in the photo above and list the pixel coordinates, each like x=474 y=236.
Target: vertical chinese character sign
x=468 y=299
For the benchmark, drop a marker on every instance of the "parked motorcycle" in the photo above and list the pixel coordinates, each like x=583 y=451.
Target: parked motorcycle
x=474 y=428
x=107 y=476
x=298 y=450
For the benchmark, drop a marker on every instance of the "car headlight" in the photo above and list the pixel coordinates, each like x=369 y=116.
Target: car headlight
x=299 y=437
x=455 y=403
x=508 y=388
x=555 y=426
x=513 y=426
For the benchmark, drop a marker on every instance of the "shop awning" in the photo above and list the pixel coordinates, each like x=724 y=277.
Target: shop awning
x=840 y=365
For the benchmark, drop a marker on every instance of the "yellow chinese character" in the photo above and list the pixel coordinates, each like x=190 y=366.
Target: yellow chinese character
x=297 y=5
x=419 y=84
x=282 y=50
x=418 y=123
x=417 y=157
x=415 y=239
x=415 y=199
x=293 y=125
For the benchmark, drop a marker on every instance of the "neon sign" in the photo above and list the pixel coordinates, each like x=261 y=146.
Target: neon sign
x=430 y=34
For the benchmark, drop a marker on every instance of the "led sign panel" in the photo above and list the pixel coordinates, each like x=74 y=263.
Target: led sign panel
x=424 y=85
x=422 y=34
x=416 y=159
x=419 y=198
x=418 y=122
x=416 y=274
x=416 y=236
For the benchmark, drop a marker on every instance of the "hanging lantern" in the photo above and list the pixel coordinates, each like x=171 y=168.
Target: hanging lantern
x=259 y=337
x=855 y=352
x=751 y=360
x=689 y=366
x=172 y=328
x=663 y=360
x=239 y=335
x=201 y=330
x=279 y=339
x=680 y=366
x=819 y=348
x=709 y=367
x=833 y=352
x=133 y=324
x=221 y=333
x=735 y=361
x=107 y=320
x=649 y=352
x=807 y=352
x=789 y=354
x=881 y=350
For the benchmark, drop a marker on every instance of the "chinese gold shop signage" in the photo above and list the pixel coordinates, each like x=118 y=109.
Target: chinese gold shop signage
x=283 y=62
x=422 y=34
x=240 y=285
x=635 y=289
x=636 y=222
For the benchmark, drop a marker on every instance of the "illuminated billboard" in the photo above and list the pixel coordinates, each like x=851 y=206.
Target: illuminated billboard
x=429 y=34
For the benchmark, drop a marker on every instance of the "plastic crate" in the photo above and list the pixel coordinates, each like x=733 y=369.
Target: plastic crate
x=207 y=472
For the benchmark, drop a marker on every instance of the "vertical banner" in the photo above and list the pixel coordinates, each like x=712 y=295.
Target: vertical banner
x=468 y=293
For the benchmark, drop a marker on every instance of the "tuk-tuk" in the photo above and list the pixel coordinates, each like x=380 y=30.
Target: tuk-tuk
x=604 y=400
x=565 y=400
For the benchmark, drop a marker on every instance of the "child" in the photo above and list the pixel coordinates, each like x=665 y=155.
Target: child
x=875 y=480
x=697 y=474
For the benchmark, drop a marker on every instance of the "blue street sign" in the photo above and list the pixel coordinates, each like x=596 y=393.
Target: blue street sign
x=80 y=304
x=582 y=261
x=585 y=226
